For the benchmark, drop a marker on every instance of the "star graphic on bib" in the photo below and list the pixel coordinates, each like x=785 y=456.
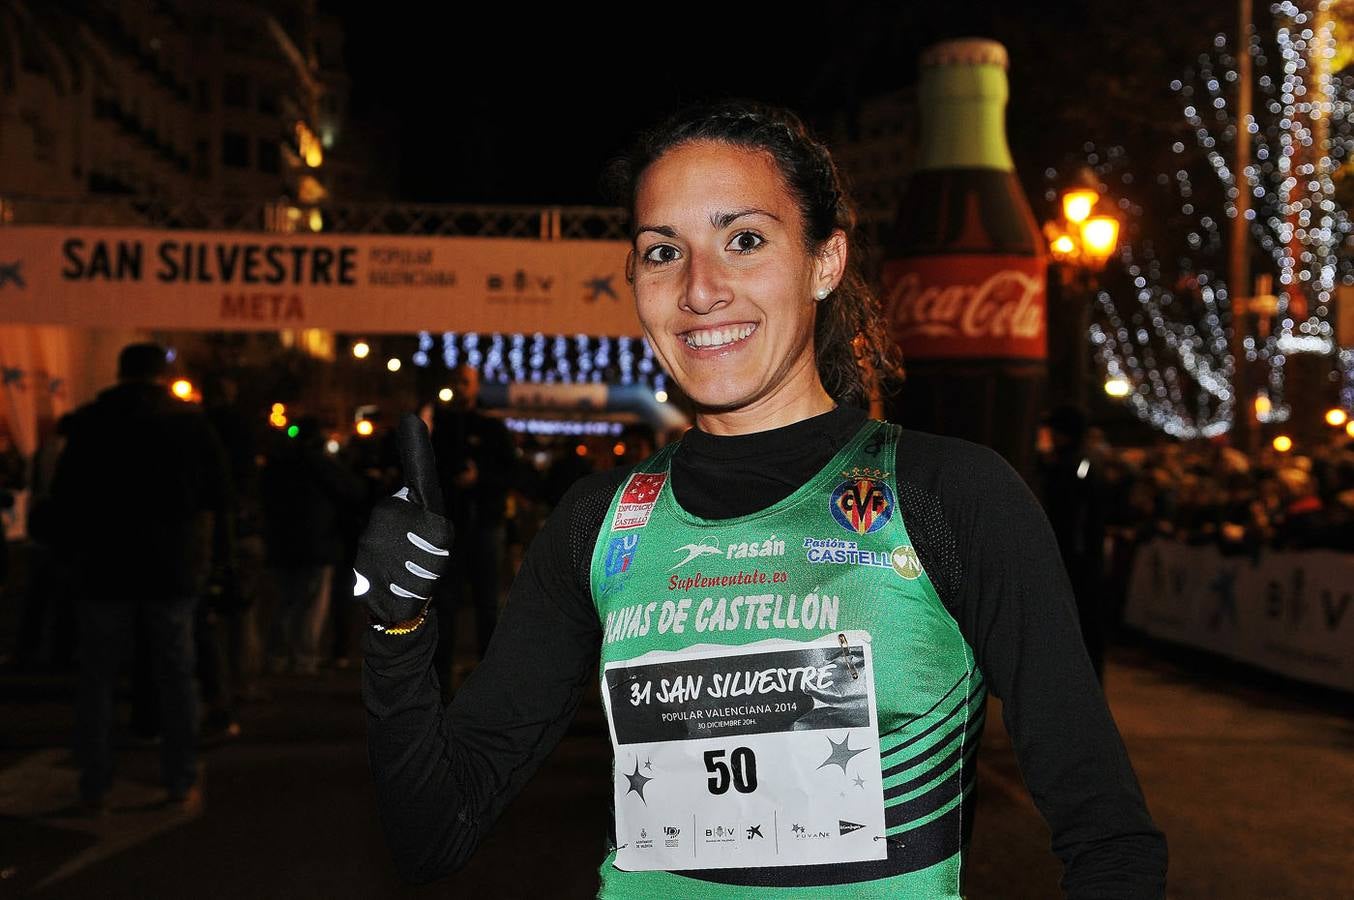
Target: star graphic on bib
x=841 y=753
x=860 y=782
x=648 y=764
x=637 y=782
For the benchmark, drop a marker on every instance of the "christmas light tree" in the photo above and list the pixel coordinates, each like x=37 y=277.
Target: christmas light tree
x=1164 y=326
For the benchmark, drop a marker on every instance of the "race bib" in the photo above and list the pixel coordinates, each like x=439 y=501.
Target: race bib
x=761 y=755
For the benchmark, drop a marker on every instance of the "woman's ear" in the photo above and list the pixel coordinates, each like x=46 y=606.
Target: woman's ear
x=630 y=267
x=831 y=262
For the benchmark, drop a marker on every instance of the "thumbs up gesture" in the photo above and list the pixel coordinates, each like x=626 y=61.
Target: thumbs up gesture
x=406 y=546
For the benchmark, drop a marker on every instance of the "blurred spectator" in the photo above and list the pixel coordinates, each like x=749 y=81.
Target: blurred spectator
x=48 y=619
x=568 y=467
x=475 y=461
x=12 y=481
x=638 y=440
x=224 y=620
x=219 y=622
x=137 y=492
x=304 y=491
x=1302 y=526
x=1073 y=498
x=1240 y=525
x=347 y=613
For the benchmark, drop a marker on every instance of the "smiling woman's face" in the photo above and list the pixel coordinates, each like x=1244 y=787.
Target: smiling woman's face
x=725 y=287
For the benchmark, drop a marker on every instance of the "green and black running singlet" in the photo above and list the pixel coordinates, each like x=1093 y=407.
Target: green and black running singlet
x=791 y=706
x=792 y=720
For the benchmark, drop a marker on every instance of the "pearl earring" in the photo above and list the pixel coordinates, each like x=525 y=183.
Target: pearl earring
x=822 y=293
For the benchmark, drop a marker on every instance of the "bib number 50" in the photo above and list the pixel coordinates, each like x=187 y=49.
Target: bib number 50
x=740 y=771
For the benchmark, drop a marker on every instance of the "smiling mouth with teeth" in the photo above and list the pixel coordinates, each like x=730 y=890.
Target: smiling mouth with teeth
x=715 y=338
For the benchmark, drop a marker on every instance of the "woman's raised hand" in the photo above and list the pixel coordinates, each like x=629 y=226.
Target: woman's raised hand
x=406 y=546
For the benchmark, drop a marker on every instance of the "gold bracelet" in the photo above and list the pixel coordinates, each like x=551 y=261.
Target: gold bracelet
x=406 y=627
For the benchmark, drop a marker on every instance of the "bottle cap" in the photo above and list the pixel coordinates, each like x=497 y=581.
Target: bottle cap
x=965 y=52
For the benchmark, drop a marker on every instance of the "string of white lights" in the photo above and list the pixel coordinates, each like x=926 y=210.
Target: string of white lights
x=1346 y=363
x=1301 y=129
x=546 y=359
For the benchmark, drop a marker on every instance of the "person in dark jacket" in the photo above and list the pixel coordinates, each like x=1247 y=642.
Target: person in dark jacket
x=225 y=614
x=475 y=457
x=47 y=618
x=12 y=480
x=1073 y=497
x=304 y=491
x=139 y=492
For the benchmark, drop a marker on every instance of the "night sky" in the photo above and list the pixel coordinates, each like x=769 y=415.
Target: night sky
x=517 y=107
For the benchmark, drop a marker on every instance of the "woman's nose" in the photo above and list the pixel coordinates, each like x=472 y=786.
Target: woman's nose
x=707 y=289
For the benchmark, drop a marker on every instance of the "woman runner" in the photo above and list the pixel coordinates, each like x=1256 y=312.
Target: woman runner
x=797 y=611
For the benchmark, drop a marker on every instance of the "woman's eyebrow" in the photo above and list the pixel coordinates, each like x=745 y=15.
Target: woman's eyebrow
x=665 y=230
x=725 y=219
x=718 y=221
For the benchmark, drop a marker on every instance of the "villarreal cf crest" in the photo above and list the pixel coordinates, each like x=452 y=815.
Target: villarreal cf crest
x=863 y=503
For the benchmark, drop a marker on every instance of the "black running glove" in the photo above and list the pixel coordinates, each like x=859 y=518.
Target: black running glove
x=406 y=545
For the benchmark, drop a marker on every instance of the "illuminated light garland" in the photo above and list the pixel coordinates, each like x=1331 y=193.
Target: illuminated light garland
x=541 y=359
x=563 y=426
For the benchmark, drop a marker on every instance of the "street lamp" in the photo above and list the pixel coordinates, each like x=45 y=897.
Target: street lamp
x=1063 y=246
x=1080 y=245
x=1117 y=386
x=1099 y=237
x=1078 y=203
x=1263 y=406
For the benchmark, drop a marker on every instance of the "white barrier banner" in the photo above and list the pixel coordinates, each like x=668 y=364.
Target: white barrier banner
x=215 y=280
x=1288 y=612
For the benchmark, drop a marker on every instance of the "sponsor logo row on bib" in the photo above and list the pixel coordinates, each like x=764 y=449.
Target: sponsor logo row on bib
x=622 y=549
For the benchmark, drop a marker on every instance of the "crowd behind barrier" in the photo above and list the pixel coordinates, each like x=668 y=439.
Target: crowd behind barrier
x=1250 y=558
x=1213 y=495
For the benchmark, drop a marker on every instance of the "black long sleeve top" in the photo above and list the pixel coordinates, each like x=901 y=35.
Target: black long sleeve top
x=444 y=775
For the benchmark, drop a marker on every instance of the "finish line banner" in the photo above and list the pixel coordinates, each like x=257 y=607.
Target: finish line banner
x=1288 y=612
x=227 y=281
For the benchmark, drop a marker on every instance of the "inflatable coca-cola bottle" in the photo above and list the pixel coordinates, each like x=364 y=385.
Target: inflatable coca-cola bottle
x=964 y=276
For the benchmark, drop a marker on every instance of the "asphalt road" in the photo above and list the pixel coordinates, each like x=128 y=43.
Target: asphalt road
x=1251 y=778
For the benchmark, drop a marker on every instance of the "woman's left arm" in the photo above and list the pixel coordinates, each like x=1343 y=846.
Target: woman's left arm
x=995 y=562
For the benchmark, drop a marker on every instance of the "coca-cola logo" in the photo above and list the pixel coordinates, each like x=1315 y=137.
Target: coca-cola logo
x=1006 y=305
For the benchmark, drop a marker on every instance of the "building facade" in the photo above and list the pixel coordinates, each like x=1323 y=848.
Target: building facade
x=176 y=99
x=875 y=146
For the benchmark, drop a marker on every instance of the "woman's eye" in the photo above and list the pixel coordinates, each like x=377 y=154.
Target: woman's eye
x=661 y=253
x=746 y=241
